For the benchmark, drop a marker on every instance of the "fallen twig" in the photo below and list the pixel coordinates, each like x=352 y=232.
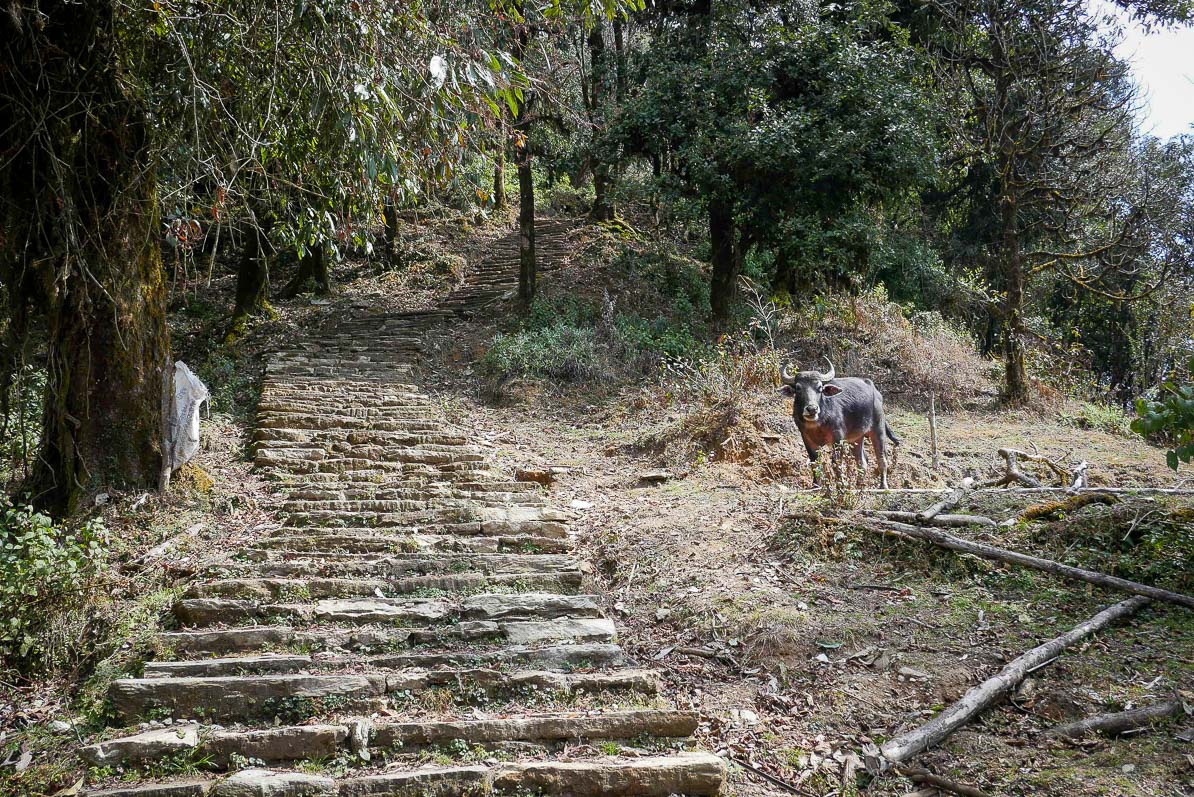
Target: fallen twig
x=908 y=745
x=906 y=531
x=783 y=784
x=924 y=777
x=1117 y=722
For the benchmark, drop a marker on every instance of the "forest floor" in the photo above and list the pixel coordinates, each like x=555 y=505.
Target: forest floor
x=814 y=638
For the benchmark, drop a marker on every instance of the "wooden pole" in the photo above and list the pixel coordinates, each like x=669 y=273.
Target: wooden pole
x=911 y=744
x=905 y=531
x=933 y=431
x=936 y=520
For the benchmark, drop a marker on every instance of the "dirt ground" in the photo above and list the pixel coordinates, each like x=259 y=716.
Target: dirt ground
x=802 y=640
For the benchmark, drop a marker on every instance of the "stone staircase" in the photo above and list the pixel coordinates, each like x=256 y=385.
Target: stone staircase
x=416 y=625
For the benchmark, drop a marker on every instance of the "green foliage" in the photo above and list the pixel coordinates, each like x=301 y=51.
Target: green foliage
x=559 y=351
x=20 y=425
x=44 y=570
x=1170 y=415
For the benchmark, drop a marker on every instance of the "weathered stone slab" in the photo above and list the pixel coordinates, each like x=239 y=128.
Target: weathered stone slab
x=185 y=788
x=688 y=773
x=241 y=697
x=611 y=725
x=267 y=783
x=239 y=665
x=495 y=606
x=277 y=744
x=146 y=746
x=427 y=782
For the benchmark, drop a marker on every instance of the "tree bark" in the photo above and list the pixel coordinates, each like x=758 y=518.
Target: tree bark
x=81 y=247
x=313 y=269
x=726 y=261
x=527 y=277
x=603 y=209
x=252 y=278
x=936 y=730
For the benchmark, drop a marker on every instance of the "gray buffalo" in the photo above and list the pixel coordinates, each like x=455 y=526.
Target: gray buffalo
x=828 y=410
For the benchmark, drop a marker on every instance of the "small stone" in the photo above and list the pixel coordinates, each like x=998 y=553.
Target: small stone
x=911 y=672
x=59 y=727
x=1128 y=768
x=662 y=613
x=654 y=476
x=821 y=657
x=582 y=505
x=748 y=716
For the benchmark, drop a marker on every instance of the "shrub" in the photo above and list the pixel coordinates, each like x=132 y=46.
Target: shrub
x=560 y=351
x=44 y=571
x=908 y=356
x=1170 y=416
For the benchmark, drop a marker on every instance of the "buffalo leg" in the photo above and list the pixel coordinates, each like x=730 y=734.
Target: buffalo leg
x=880 y=444
x=812 y=463
x=860 y=457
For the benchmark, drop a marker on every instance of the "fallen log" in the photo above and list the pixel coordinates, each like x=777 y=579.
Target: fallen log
x=1053 y=509
x=905 y=531
x=911 y=744
x=953 y=521
x=949 y=502
x=1117 y=722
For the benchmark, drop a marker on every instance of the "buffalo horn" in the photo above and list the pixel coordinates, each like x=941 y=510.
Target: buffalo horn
x=828 y=377
x=786 y=376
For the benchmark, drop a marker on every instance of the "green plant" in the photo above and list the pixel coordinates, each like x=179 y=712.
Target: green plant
x=44 y=569
x=1170 y=415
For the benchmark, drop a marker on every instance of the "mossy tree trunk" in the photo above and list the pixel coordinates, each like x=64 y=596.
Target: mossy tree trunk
x=312 y=270
x=81 y=248
x=252 y=276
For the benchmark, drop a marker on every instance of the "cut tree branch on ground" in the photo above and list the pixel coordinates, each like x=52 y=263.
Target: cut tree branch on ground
x=949 y=502
x=906 y=531
x=936 y=520
x=1053 y=509
x=906 y=746
x=1117 y=722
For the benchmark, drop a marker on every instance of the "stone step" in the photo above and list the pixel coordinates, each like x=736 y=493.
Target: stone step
x=693 y=774
x=219 y=747
x=201 y=612
x=295 y=698
x=260 y=588
x=275 y=563
x=261 y=638
x=414 y=543
x=554 y=658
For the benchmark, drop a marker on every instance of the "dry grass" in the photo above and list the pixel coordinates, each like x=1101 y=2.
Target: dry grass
x=909 y=358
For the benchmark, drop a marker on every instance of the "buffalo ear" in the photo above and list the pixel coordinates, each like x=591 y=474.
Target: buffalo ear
x=788 y=391
x=831 y=390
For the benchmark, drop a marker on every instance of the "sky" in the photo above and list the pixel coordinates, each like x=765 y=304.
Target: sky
x=1163 y=65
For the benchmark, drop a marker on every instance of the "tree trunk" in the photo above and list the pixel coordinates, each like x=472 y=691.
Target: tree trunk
x=603 y=209
x=526 y=231
x=526 y=178
x=725 y=258
x=499 y=165
x=312 y=268
x=81 y=246
x=1016 y=390
x=620 y=55
x=392 y=226
x=252 y=278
